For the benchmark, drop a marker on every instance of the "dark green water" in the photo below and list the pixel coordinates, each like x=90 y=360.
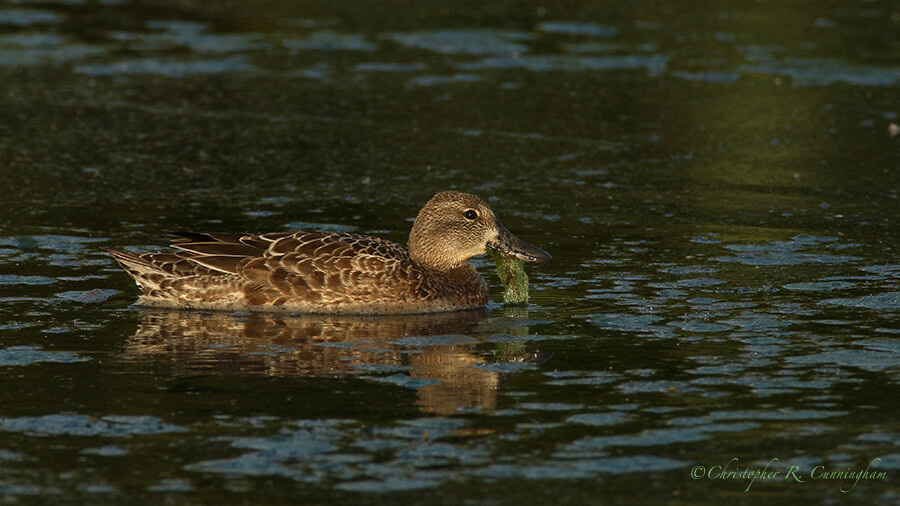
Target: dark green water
x=717 y=183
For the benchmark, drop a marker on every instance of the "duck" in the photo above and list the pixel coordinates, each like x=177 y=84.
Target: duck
x=332 y=272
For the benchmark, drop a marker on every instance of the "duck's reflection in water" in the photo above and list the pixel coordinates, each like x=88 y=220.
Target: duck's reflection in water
x=435 y=353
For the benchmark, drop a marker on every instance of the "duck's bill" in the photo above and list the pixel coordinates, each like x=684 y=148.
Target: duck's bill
x=508 y=244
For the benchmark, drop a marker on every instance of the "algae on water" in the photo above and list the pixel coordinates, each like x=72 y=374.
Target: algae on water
x=512 y=273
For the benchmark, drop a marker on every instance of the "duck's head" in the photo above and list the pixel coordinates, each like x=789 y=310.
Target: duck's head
x=454 y=227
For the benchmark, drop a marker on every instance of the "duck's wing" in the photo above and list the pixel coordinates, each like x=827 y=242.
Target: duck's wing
x=333 y=263
x=295 y=262
x=222 y=252
x=196 y=255
x=232 y=253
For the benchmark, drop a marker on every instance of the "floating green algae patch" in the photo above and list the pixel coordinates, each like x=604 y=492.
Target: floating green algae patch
x=512 y=273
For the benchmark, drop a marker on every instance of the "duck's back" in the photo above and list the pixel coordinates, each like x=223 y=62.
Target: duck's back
x=297 y=271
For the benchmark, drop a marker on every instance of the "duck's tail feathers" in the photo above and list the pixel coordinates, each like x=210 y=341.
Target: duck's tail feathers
x=146 y=273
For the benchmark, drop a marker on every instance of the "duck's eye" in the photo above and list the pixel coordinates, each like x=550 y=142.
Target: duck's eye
x=471 y=214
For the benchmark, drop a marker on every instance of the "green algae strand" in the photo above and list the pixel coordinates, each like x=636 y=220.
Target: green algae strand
x=512 y=274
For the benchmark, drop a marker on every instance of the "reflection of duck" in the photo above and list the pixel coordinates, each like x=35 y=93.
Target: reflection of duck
x=441 y=355
x=330 y=272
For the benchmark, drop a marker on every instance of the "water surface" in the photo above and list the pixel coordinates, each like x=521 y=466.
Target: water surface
x=718 y=187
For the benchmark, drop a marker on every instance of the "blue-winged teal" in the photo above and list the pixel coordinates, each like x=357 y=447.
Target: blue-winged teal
x=330 y=272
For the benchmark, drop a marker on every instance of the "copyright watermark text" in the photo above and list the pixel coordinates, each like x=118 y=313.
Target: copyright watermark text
x=733 y=470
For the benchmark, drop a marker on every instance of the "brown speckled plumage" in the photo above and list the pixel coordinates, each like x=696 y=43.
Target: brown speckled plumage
x=332 y=272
